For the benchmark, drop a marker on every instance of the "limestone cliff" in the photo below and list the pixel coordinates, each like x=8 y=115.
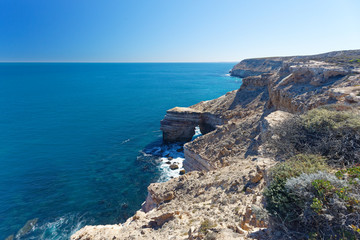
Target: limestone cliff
x=221 y=198
x=295 y=85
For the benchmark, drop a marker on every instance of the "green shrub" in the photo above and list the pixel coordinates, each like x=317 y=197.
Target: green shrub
x=355 y=60
x=301 y=163
x=303 y=199
x=206 y=225
x=321 y=120
x=304 y=202
x=329 y=205
x=278 y=202
x=332 y=131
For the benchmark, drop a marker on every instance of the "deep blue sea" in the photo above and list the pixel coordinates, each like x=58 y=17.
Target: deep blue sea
x=80 y=142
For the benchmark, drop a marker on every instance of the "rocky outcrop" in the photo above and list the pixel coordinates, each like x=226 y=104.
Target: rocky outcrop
x=195 y=162
x=258 y=66
x=223 y=198
x=295 y=87
x=100 y=232
x=350 y=94
x=179 y=124
x=302 y=86
x=254 y=67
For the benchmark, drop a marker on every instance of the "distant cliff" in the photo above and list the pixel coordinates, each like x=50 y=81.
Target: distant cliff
x=219 y=200
x=257 y=66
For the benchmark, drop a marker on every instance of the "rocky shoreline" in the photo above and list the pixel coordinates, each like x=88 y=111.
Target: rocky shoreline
x=227 y=166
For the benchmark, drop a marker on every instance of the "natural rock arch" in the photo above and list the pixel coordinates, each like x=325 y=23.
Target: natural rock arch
x=179 y=124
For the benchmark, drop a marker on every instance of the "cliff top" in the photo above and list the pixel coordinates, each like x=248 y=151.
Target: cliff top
x=223 y=199
x=256 y=66
x=329 y=56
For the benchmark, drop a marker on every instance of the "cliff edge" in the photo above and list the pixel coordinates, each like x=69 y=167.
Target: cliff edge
x=227 y=167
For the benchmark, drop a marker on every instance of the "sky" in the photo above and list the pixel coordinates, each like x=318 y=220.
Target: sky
x=174 y=30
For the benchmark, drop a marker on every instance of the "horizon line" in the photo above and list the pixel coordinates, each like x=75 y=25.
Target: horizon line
x=118 y=62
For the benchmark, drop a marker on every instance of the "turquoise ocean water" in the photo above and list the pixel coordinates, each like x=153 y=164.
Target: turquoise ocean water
x=80 y=142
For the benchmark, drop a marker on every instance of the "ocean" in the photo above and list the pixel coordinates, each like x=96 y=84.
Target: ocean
x=80 y=142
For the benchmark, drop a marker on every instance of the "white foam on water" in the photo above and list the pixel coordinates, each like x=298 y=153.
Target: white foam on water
x=170 y=155
x=58 y=229
x=167 y=155
x=166 y=172
x=125 y=141
x=197 y=133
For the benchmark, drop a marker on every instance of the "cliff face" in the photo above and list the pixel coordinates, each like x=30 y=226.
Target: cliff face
x=179 y=124
x=254 y=67
x=192 y=205
x=258 y=66
x=291 y=84
x=219 y=200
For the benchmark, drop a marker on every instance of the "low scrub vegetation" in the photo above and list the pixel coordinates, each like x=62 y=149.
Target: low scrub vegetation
x=330 y=131
x=314 y=193
x=355 y=60
x=206 y=225
x=314 y=205
x=282 y=206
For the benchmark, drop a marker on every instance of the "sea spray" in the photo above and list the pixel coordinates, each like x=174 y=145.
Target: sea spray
x=169 y=157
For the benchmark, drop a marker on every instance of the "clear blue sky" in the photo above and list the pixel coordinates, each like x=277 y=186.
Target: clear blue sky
x=174 y=30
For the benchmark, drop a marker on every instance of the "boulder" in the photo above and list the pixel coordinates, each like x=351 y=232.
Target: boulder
x=174 y=166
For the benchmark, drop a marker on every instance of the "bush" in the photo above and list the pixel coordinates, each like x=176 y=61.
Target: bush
x=332 y=131
x=329 y=206
x=316 y=205
x=279 y=203
x=206 y=225
x=303 y=199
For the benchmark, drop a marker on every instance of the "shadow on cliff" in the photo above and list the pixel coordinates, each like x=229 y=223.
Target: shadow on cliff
x=245 y=97
x=255 y=137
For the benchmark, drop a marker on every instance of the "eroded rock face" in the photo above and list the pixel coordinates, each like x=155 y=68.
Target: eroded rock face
x=224 y=197
x=100 y=232
x=229 y=158
x=195 y=162
x=179 y=124
x=290 y=84
x=254 y=67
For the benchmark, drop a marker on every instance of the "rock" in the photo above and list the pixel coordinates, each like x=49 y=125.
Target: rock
x=99 y=232
x=352 y=98
x=179 y=124
x=168 y=162
x=174 y=166
x=255 y=178
x=160 y=220
x=26 y=228
x=194 y=161
x=253 y=67
x=159 y=193
x=170 y=158
x=349 y=94
x=11 y=237
x=235 y=228
x=180 y=149
x=149 y=203
x=226 y=166
x=182 y=172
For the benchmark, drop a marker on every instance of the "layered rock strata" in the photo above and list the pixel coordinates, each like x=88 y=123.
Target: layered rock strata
x=184 y=205
x=223 y=198
x=179 y=123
